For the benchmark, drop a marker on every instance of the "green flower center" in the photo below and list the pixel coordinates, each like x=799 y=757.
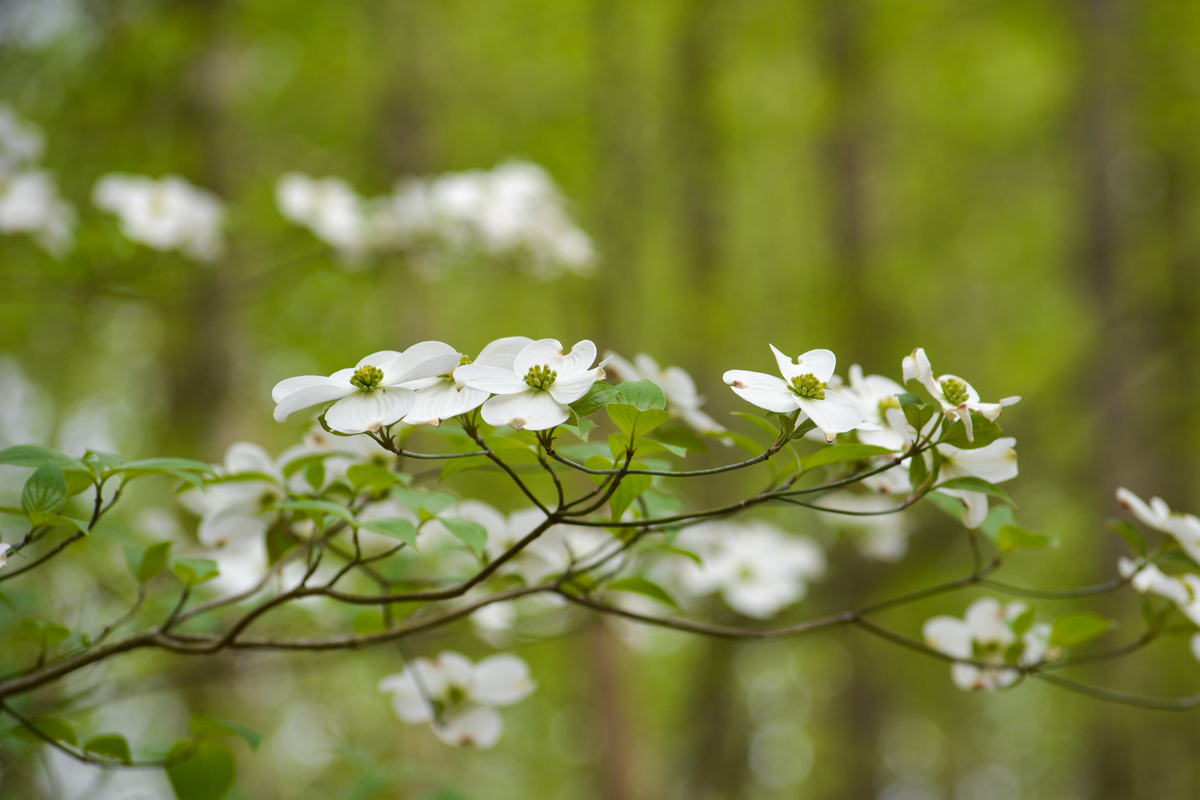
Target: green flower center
x=955 y=391
x=455 y=695
x=886 y=403
x=808 y=386
x=367 y=378
x=541 y=377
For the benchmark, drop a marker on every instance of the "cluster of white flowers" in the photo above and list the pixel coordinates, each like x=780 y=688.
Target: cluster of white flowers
x=459 y=698
x=683 y=401
x=517 y=381
x=513 y=212
x=1000 y=636
x=757 y=568
x=1184 y=529
x=29 y=200
x=956 y=397
x=166 y=214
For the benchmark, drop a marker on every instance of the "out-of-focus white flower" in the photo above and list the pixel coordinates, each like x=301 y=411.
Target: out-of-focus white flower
x=682 y=399
x=1183 y=528
x=21 y=142
x=995 y=463
x=445 y=397
x=956 y=397
x=880 y=537
x=536 y=392
x=370 y=395
x=4 y=548
x=987 y=636
x=29 y=203
x=329 y=207
x=25 y=409
x=803 y=387
x=166 y=214
x=874 y=395
x=458 y=697
x=758 y=569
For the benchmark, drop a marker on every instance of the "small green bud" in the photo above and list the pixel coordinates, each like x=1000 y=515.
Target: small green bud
x=808 y=386
x=541 y=377
x=367 y=378
x=955 y=391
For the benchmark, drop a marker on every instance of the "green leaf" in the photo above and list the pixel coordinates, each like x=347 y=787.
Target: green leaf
x=997 y=517
x=202 y=770
x=1012 y=538
x=970 y=484
x=951 y=506
x=372 y=477
x=578 y=426
x=843 y=452
x=630 y=489
x=32 y=455
x=193 y=571
x=52 y=728
x=316 y=508
x=469 y=532
x=45 y=493
x=109 y=745
x=314 y=475
x=803 y=428
x=369 y=622
x=643 y=587
x=1021 y=625
x=1079 y=627
x=908 y=399
x=303 y=463
x=741 y=440
x=425 y=504
x=984 y=430
x=918 y=470
x=78 y=481
x=599 y=462
x=53 y=633
x=213 y=728
x=145 y=564
x=647 y=446
x=279 y=540
x=634 y=421
x=1130 y=534
x=644 y=395
x=597 y=397
x=761 y=422
x=918 y=415
x=395 y=527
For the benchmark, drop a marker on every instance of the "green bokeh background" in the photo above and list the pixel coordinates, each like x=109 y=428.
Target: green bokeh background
x=1010 y=185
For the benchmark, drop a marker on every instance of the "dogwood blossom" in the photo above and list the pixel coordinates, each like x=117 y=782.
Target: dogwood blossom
x=329 y=207
x=758 y=569
x=995 y=463
x=682 y=399
x=802 y=387
x=370 y=395
x=1183 y=591
x=458 y=697
x=1183 y=528
x=444 y=397
x=536 y=392
x=956 y=397
x=874 y=395
x=166 y=214
x=4 y=548
x=29 y=199
x=987 y=635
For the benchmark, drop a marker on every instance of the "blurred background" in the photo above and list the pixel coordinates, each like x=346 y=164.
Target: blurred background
x=1011 y=185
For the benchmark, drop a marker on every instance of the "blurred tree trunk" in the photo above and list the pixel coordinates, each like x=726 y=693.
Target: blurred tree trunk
x=615 y=766
x=717 y=757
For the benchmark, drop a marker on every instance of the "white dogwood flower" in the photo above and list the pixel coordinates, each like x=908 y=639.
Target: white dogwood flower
x=536 y=392
x=370 y=395
x=995 y=463
x=874 y=395
x=166 y=214
x=879 y=537
x=4 y=548
x=956 y=397
x=329 y=207
x=986 y=635
x=1147 y=578
x=1183 y=528
x=683 y=400
x=803 y=387
x=445 y=397
x=458 y=697
x=29 y=203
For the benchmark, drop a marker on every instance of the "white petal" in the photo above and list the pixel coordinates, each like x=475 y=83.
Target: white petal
x=490 y=379
x=833 y=415
x=787 y=368
x=378 y=359
x=292 y=385
x=479 y=727
x=231 y=527
x=1140 y=509
x=312 y=395
x=1196 y=646
x=622 y=368
x=987 y=622
x=367 y=411
x=648 y=367
x=418 y=354
x=248 y=457
x=566 y=389
x=764 y=391
x=820 y=363
x=503 y=352
x=400 y=371
x=948 y=635
x=550 y=352
x=455 y=668
x=967 y=677
x=763 y=598
x=442 y=401
x=976 y=506
x=995 y=463
x=501 y=680
x=527 y=410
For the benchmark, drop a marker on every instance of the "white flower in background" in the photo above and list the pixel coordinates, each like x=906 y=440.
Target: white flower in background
x=342 y=452
x=879 y=537
x=682 y=399
x=803 y=387
x=25 y=410
x=874 y=395
x=444 y=397
x=370 y=395
x=536 y=392
x=986 y=635
x=4 y=548
x=166 y=214
x=758 y=569
x=1183 y=591
x=458 y=697
x=29 y=203
x=21 y=142
x=995 y=463
x=329 y=207
x=956 y=396
x=1183 y=528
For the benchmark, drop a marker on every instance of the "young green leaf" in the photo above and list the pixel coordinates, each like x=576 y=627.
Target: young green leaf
x=983 y=429
x=194 y=571
x=643 y=587
x=145 y=564
x=1130 y=534
x=644 y=395
x=630 y=489
x=972 y=484
x=371 y=477
x=1079 y=627
x=467 y=531
x=843 y=452
x=31 y=455
x=213 y=728
x=52 y=728
x=761 y=422
x=316 y=509
x=395 y=527
x=597 y=397
x=1012 y=538
x=634 y=421
x=202 y=770
x=109 y=745
x=45 y=493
